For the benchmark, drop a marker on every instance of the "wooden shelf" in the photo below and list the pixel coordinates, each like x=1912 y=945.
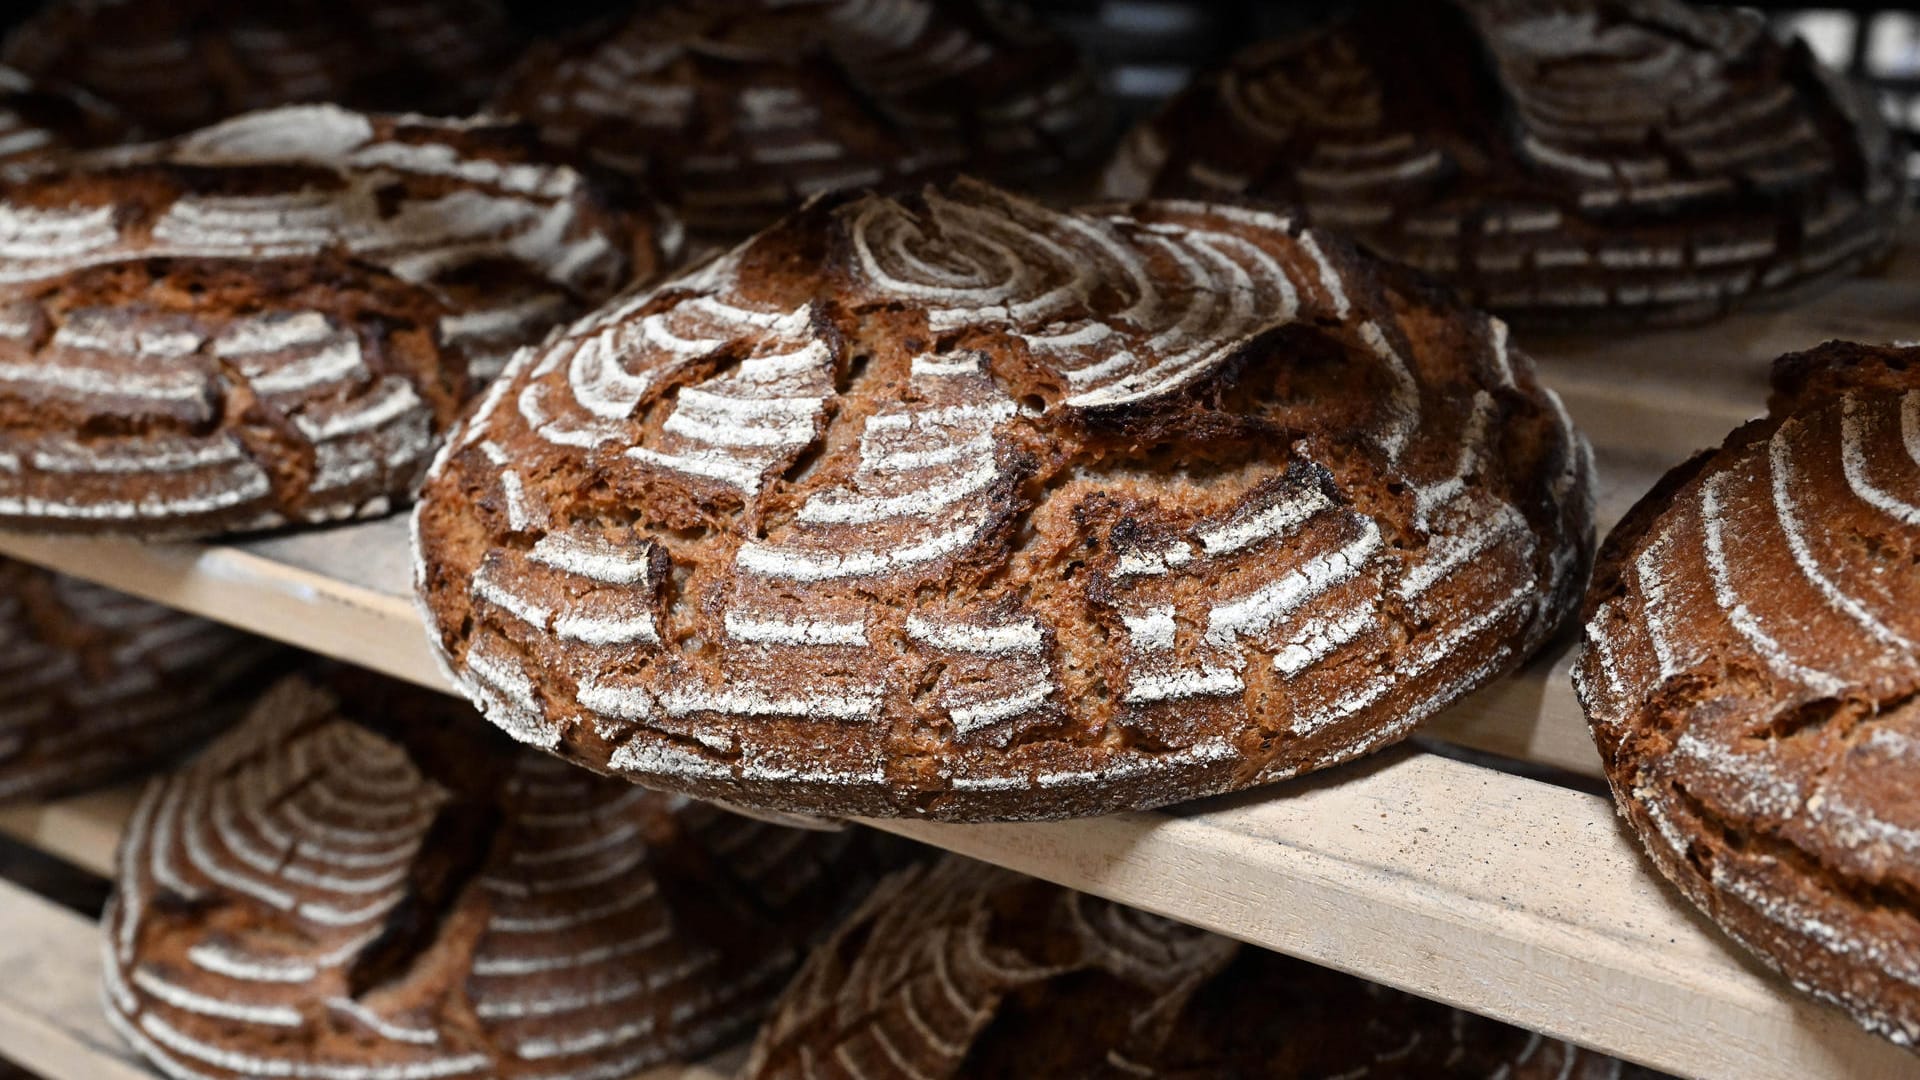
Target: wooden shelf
x=1511 y=897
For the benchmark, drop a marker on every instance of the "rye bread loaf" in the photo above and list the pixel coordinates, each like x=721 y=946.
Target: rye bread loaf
x=96 y=685
x=193 y=397
x=1566 y=161
x=962 y=970
x=738 y=110
x=365 y=881
x=511 y=240
x=186 y=63
x=956 y=506
x=1751 y=672
x=36 y=121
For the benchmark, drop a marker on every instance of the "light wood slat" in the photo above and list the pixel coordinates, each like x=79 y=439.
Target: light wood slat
x=50 y=1017
x=82 y=830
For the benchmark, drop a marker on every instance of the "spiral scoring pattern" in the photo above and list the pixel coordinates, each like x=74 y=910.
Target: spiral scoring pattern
x=966 y=519
x=1567 y=160
x=961 y=969
x=100 y=685
x=187 y=63
x=513 y=244
x=1751 y=669
x=793 y=99
x=606 y=929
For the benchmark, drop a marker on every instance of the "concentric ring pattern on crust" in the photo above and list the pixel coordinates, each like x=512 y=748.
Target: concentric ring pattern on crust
x=192 y=397
x=959 y=969
x=1751 y=671
x=1570 y=161
x=512 y=241
x=959 y=507
x=313 y=898
x=100 y=685
x=184 y=63
x=739 y=110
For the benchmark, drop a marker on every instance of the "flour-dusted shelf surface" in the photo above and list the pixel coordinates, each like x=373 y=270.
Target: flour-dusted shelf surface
x=1509 y=896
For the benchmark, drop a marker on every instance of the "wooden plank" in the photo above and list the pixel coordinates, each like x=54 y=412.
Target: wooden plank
x=82 y=830
x=1495 y=893
x=50 y=1016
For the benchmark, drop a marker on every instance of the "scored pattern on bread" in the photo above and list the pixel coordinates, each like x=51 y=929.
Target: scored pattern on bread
x=100 y=685
x=740 y=111
x=960 y=969
x=513 y=243
x=35 y=120
x=312 y=898
x=174 y=398
x=1564 y=160
x=996 y=511
x=188 y=63
x=1751 y=672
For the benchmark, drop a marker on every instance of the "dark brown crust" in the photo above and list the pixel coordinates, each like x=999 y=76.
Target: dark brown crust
x=313 y=893
x=36 y=121
x=1581 y=163
x=186 y=63
x=91 y=447
x=959 y=969
x=738 y=111
x=1747 y=685
x=1372 y=529
x=101 y=687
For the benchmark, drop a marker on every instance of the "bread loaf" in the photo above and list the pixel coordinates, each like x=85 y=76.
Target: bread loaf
x=186 y=63
x=36 y=121
x=512 y=241
x=963 y=970
x=959 y=507
x=193 y=397
x=100 y=685
x=740 y=109
x=1566 y=161
x=1751 y=672
x=350 y=885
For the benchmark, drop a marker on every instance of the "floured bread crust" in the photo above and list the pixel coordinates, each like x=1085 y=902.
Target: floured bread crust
x=959 y=969
x=738 y=110
x=510 y=240
x=315 y=896
x=186 y=63
x=100 y=685
x=955 y=506
x=193 y=397
x=1575 y=162
x=1751 y=670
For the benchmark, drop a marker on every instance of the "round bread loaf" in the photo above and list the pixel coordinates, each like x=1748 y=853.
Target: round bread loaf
x=959 y=507
x=738 y=110
x=958 y=969
x=512 y=242
x=1751 y=673
x=35 y=121
x=99 y=685
x=192 y=397
x=312 y=897
x=1570 y=161
x=186 y=63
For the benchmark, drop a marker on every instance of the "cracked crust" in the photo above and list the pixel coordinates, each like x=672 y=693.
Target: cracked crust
x=1573 y=162
x=1753 y=680
x=738 y=111
x=186 y=63
x=363 y=881
x=960 y=969
x=101 y=686
x=958 y=507
x=187 y=398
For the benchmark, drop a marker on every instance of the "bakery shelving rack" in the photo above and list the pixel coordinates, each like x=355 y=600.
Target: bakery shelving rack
x=1482 y=885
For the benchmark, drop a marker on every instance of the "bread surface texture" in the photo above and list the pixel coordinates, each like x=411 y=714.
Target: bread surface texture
x=951 y=505
x=1750 y=673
